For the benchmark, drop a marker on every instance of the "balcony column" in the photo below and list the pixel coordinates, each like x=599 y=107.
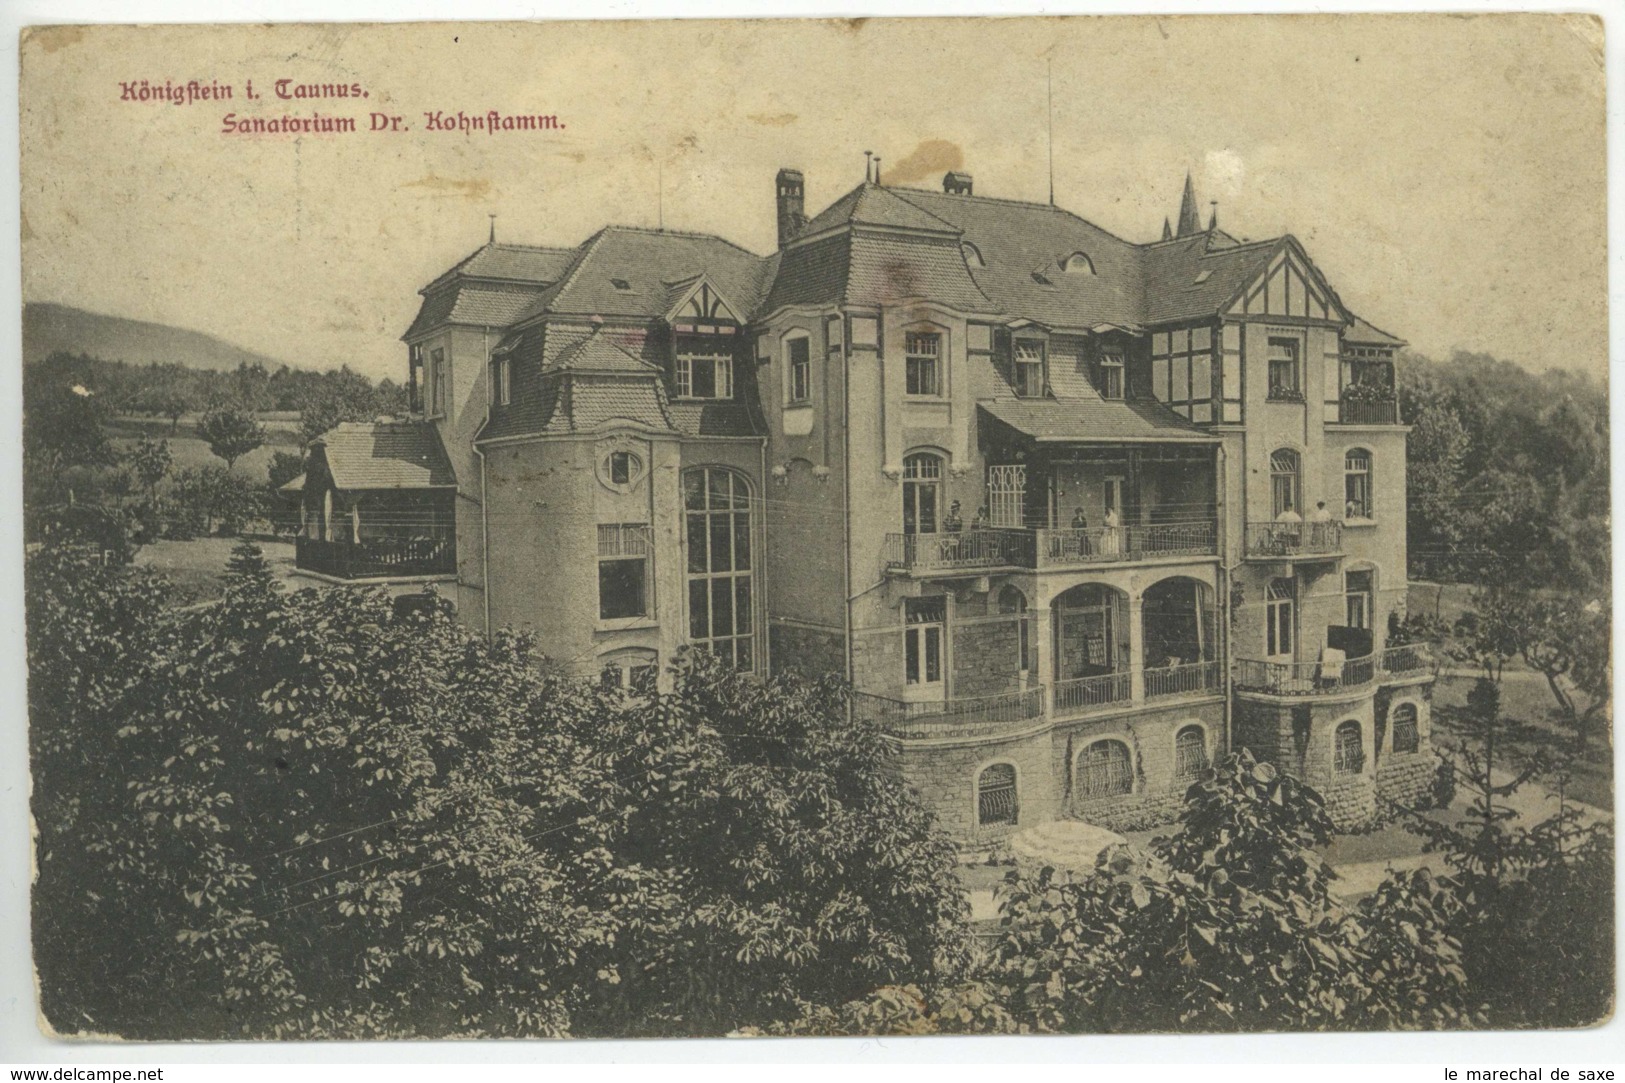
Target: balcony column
x=1136 y=647
x=1042 y=645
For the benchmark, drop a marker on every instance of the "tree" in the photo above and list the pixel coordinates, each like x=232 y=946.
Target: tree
x=340 y=395
x=211 y=495
x=151 y=461
x=1535 y=903
x=231 y=434
x=284 y=467
x=314 y=816
x=1229 y=924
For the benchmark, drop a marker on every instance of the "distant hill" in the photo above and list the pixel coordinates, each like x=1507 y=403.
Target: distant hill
x=48 y=328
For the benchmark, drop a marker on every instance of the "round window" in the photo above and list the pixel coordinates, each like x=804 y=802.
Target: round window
x=621 y=469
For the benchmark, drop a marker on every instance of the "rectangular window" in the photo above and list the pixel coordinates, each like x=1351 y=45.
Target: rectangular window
x=922 y=640
x=1029 y=369
x=437 y=381
x=1278 y=619
x=1358 y=594
x=1284 y=383
x=500 y=379
x=923 y=354
x=705 y=376
x=1159 y=379
x=798 y=358
x=623 y=570
x=1111 y=376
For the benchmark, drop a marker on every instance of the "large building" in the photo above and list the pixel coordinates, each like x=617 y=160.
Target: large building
x=1072 y=514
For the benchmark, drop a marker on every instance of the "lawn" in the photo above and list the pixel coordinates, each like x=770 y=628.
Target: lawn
x=198 y=567
x=189 y=450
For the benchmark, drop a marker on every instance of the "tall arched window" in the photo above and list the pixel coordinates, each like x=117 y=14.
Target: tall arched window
x=1357 y=484
x=1190 y=753
x=1105 y=769
x=922 y=492
x=1347 y=756
x=996 y=795
x=1406 y=736
x=1013 y=602
x=1284 y=495
x=720 y=603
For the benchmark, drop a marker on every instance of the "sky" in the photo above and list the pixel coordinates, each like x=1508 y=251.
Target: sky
x=1446 y=173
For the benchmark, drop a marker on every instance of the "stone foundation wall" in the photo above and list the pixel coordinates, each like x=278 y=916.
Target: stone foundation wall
x=1158 y=793
x=1351 y=800
x=946 y=778
x=1407 y=777
x=986 y=657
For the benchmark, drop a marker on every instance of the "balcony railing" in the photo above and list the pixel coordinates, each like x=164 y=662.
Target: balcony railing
x=1010 y=547
x=1104 y=545
x=1082 y=694
x=1322 y=679
x=1367 y=411
x=983 y=547
x=380 y=558
x=960 y=713
x=1184 y=680
x=1276 y=539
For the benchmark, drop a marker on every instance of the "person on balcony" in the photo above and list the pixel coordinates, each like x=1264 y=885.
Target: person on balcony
x=952 y=524
x=1288 y=528
x=1320 y=528
x=1111 y=540
x=1078 y=543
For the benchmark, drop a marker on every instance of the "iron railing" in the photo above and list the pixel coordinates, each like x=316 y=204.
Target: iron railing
x=1183 y=680
x=378 y=558
x=1368 y=411
x=1327 y=678
x=978 y=547
x=1104 y=545
x=998 y=709
x=1083 y=694
x=1410 y=660
x=1277 y=539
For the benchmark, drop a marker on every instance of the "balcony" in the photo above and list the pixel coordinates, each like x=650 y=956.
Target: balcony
x=952 y=716
x=1293 y=541
x=1191 y=679
x=1087 y=695
x=1352 y=410
x=979 y=550
x=1323 y=679
x=381 y=558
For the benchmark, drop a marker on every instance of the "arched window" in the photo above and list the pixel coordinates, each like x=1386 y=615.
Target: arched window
x=1190 y=753
x=922 y=491
x=1406 y=736
x=1347 y=756
x=973 y=255
x=1283 y=481
x=1279 y=622
x=1078 y=263
x=720 y=605
x=996 y=795
x=1357 y=484
x=1013 y=602
x=1105 y=770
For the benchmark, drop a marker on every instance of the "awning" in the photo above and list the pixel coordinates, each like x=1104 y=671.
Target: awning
x=1096 y=421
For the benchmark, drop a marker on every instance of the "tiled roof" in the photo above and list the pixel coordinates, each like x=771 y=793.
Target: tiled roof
x=1023 y=245
x=384 y=455
x=467 y=293
x=873 y=205
x=623 y=271
x=812 y=274
x=591 y=401
x=1172 y=270
x=883 y=269
x=1363 y=334
x=596 y=353
x=516 y=262
x=715 y=419
x=1094 y=421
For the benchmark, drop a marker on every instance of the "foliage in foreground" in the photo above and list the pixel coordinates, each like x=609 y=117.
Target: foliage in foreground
x=304 y=815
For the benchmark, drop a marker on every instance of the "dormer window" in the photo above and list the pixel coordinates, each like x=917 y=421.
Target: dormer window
x=973 y=255
x=1078 y=263
x=1043 y=279
x=1202 y=277
x=1029 y=368
x=705 y=376
x=621 y=284
x=1111 y=375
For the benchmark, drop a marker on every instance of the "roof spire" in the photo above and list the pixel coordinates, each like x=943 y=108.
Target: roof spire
x=1189 y=221
x=1213 y=218
x=1167 y=230
x=493 y=219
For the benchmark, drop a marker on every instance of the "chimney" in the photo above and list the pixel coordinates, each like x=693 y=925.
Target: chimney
x=791 y=190
x=956 y=184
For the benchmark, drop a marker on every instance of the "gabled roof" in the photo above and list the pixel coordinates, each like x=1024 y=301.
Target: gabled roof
x=384 y=455
x=872 y=205
x=596 y=353
x=491 y=287
x=1189 y=278
x=512 y=262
